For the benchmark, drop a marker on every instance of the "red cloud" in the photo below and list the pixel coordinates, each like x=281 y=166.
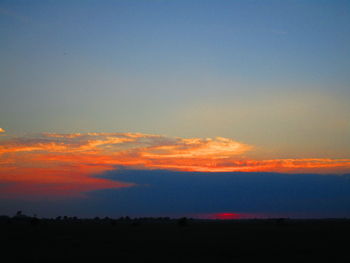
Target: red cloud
x=66 y=163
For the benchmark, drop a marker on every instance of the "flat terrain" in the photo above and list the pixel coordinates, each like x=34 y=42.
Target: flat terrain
x=169 y=241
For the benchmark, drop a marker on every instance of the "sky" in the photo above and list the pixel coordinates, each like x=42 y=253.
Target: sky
x=101 y=101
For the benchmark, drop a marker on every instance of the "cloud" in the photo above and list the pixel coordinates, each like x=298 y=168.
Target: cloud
x=200 y=195
x=2 y=130
x=67 y=163
x=226 y=195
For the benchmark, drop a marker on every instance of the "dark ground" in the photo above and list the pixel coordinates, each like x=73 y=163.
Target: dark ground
x=168 y=241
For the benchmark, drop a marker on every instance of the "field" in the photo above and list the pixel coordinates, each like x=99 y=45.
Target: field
x=109 y=240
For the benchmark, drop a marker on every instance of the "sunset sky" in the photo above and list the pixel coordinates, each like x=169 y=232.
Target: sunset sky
x=204 y=108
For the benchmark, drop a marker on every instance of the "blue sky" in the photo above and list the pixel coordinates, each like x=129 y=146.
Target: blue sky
x=158 y=66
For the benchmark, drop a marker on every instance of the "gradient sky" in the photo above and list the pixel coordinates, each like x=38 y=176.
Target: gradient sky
x=91 y=87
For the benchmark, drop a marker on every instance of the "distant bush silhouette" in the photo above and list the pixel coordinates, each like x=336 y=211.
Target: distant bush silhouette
x=20 y=216
x=182 y=221
x=135 y=223
x=34 y=221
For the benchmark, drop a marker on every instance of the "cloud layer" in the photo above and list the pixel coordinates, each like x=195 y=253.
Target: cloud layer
x=57 y=164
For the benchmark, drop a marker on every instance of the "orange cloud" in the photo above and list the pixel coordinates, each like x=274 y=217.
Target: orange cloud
x=2 y=130
x=67 y=163
x=194 y=148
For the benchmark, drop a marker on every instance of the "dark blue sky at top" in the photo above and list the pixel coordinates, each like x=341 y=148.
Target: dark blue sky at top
x=181 y=68
x=169 y=193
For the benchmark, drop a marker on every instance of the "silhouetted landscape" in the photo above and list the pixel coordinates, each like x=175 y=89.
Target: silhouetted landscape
x=125 y=239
